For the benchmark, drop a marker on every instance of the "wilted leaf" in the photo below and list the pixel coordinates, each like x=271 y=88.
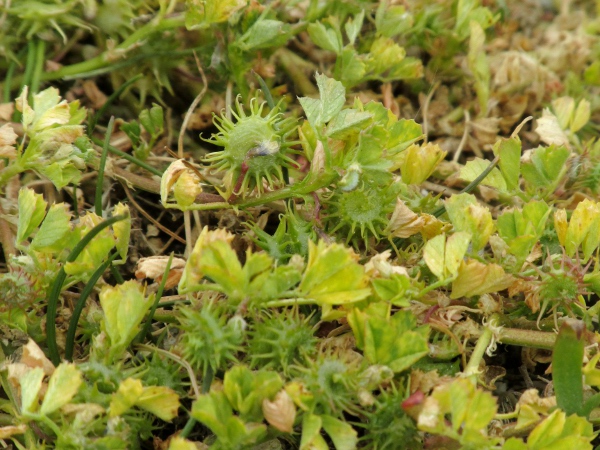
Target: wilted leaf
x=549 y=129
x=475 y=278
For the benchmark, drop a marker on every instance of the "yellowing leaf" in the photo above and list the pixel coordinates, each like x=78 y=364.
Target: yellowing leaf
x=32 y=209
x=549 y=129
x=31 y=383
x=563 y=108
x=161 y=401
x=202 y=13
x=178 y=443
x=419 y=162
x=333 y=275
x=404 y=222
x=475 y=278
x=583 y=228
x=449 y=411
x=124 y=308
x=64 y=384
x=581 y=116
x=443 y=258
x=434 y=255
x=211 y=252
x=468 y=215
x=122 y=230
x=126 y=396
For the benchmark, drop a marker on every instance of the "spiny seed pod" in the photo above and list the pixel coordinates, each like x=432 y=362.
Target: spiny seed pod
x=365 y=209
x=255 y=148
x=280 y=340
x=208 y=339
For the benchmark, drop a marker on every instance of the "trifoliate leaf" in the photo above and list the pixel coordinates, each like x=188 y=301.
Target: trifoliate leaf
x=392 y=20
x=545 y=166
x=264 y=34
x=584 y=228
x=96 y=252
x=246 y=390
x=395 y=342
x=325 y=37
x=332 y=98
x=522 y=228
x=558 y=431
x=449 y=412
x=333 y=275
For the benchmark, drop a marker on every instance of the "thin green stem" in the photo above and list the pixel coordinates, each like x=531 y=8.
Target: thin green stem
x=288 y=302
x=128 y=157
x=59 y=281
x=434 y=286
x=85 y=293
x=189 y=426
x=7 y=81
x=29 y=64
x=471 y=186
x=7 y=173
x=472 y=369
x=38 y=70
x=94 y=119
x=100 y=177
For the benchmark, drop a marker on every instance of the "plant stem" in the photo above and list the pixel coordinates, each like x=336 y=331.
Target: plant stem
x=105 y=59
x=10 y=171
x=59 y=281
x=100 y=177
x=472 y=369
x=288 y=302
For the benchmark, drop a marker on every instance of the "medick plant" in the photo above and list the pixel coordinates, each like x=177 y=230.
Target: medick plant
x=374 y=229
